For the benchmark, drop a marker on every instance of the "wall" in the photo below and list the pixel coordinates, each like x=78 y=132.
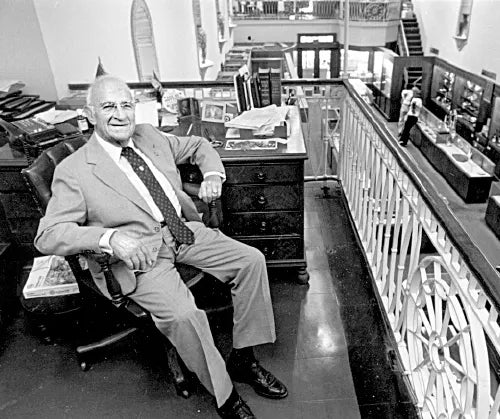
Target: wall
x=77 y=32
x=23 y=52
x=360 y=34
x=438 y=22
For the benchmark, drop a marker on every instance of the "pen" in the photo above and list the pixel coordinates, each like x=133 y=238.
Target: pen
x=189 y=130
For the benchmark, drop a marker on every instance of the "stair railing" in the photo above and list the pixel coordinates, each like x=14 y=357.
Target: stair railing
x=402 y=39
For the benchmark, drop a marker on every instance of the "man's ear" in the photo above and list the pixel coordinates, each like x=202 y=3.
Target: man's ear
x=88 y=111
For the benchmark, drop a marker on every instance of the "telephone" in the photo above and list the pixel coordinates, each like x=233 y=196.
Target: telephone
x=31 y=130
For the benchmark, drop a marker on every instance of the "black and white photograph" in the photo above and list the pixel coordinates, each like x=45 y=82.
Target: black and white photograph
x=280 y=209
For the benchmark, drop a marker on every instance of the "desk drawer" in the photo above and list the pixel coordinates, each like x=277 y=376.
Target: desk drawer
x=264 y=173
x=259 y=198
x=278 y=248
x=263 y=223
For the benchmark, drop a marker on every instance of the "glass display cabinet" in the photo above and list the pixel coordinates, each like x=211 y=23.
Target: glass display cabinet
x=442 y=89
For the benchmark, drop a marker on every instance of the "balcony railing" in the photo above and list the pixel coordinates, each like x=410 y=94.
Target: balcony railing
x=373 y=11
x=440 y=296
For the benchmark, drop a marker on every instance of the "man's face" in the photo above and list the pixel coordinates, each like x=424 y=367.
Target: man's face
x=112 y=112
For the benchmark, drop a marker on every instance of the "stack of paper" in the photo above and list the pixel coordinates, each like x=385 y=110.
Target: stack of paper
x=53 y=116
x=261 y=121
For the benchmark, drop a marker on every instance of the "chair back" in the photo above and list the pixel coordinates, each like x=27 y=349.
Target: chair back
x=38 y=176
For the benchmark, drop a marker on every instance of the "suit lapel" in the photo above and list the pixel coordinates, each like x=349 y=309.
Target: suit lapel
x=110 y=174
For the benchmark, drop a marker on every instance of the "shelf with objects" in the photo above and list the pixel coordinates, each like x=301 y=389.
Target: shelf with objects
x=449 y=89
x=468 y=171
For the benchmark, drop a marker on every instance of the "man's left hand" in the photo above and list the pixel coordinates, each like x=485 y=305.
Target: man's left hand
x=210 y=188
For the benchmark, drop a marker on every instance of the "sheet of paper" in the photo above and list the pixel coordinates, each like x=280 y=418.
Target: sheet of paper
x=8 y=85
x=53 y=116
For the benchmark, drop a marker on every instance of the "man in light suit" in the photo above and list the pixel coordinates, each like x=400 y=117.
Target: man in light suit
x=101 y=202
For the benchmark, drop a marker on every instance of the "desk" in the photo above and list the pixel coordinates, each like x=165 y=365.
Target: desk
x=469 y=180
x=263 y=195
x=492 y=215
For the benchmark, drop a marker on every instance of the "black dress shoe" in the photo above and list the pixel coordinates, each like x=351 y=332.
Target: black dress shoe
x=236 y=410
x=263 y=382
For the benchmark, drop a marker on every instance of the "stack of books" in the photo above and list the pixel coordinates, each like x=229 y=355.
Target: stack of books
x=262 y=88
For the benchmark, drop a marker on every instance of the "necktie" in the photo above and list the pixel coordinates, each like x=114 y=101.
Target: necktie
x=179 y=230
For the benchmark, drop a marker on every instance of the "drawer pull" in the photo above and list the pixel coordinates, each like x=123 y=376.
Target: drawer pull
x=263 y=227
x=261 y=176
x=261 y=200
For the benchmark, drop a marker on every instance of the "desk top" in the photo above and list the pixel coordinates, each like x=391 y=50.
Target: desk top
x=294 y=146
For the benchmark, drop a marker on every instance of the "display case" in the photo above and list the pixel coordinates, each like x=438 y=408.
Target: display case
x=431 y=126
x=443 y=82
x=390 y=76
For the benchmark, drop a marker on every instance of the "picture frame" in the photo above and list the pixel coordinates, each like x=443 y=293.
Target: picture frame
x=213 y=111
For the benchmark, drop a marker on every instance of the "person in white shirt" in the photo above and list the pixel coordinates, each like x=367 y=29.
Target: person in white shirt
x=406 y=97
x=412 y=116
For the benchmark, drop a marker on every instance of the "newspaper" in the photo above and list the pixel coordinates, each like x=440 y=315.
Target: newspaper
x=261 y=120
x=50 y=276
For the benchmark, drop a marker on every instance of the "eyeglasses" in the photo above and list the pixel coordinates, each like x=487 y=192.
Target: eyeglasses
x=111 y=107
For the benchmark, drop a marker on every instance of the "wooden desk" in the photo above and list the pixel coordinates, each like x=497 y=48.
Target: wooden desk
x=470 y=182
x=263 y=195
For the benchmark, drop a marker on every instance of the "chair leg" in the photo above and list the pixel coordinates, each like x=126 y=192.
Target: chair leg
x=180 y=378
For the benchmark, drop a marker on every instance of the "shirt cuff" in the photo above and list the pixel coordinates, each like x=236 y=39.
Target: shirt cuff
x=104 y=241
x=221 y=175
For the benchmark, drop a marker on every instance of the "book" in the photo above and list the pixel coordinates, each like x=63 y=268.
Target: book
x=254 y=89
x=265 y=86
x=275 y=81
x=50 y=276
x=240 y=92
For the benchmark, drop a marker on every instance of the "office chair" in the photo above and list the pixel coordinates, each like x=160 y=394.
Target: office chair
x=38 y=177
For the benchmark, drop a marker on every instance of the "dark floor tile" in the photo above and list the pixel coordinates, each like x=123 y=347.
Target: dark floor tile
x=330 y=409
x=363 y=325
x=374 y=380
x=388 y=411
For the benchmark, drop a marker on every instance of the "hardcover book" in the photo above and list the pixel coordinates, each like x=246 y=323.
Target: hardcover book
x=265 y=86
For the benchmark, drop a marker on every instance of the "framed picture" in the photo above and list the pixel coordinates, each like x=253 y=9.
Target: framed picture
x=213 y=112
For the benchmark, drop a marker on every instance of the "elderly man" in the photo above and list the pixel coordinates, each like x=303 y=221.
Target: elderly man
x=121 y=194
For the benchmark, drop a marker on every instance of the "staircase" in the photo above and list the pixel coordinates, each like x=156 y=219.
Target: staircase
x=413 y=47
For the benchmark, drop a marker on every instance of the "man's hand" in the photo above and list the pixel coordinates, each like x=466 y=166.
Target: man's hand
x=210 y=188
x=135 y=255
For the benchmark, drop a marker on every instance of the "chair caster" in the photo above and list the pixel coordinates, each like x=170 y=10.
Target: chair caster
x=182 y=388
x=85 y=366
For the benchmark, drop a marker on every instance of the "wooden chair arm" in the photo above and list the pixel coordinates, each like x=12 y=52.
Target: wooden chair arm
x=214 y=216
x=112 y=285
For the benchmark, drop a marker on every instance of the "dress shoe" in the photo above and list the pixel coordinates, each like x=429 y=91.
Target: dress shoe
x=236 y=410
x=263 y=382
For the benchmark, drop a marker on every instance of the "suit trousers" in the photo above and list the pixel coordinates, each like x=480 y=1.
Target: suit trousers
x=162 y=292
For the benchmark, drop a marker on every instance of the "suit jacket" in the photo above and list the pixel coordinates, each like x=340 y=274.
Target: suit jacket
x=90 y=194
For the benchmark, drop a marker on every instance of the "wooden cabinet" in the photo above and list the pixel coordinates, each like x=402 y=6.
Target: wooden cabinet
x=264 y=207
x=263 y=196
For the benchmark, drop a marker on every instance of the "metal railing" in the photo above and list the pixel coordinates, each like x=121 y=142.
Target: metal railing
x=439 y=295
x=365 y=10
